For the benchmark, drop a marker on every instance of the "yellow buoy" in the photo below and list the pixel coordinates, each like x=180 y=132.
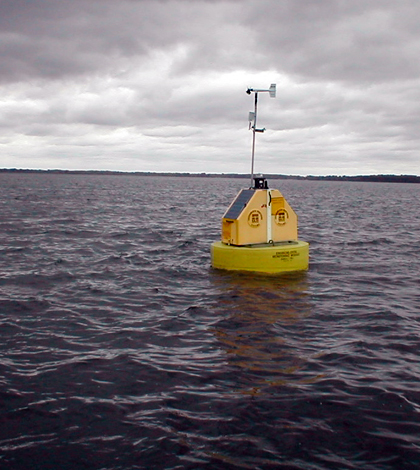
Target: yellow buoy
x=260 y=233
x=265 y=258
x=259 y=228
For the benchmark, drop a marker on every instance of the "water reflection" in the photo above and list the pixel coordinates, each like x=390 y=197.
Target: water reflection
x=262 y=328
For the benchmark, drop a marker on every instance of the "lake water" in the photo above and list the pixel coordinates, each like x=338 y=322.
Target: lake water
x=121 y=348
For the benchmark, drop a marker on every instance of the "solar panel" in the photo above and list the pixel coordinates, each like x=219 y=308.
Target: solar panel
x=239 y=204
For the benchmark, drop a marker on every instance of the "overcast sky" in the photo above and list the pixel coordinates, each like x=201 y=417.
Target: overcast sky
x=151 y=85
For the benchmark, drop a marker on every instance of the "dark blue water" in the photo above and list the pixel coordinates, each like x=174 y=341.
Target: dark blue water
x=120 y=348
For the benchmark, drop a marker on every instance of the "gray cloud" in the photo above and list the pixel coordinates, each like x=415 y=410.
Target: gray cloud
x=160 y=85
x=333 y=40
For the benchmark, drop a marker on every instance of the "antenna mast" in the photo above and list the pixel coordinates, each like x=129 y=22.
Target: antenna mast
x=253 y=119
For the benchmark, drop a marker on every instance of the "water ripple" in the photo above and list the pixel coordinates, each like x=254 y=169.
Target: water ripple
x=122 y=349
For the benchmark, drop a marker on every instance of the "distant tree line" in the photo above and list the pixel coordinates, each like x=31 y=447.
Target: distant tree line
x=366 y=178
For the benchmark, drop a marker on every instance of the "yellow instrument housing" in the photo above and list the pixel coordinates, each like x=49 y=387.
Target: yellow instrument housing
x=259 y=216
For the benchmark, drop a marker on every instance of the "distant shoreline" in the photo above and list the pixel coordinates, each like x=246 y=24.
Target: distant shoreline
x=360 y=178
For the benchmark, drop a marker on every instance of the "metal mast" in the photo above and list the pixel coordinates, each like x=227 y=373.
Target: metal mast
x=253 y=119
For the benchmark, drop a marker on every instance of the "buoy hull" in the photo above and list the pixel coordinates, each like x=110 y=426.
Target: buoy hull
x=266 y=258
